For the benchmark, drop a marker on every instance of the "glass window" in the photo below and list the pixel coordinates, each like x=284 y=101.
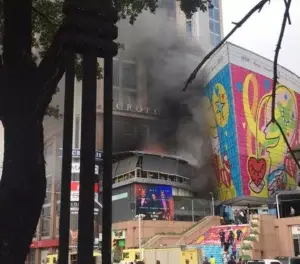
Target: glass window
x=129 y=97
x=211 y=25
x=129 y=75
x=171 y=8
x=218 y=39
x=77 y=132
x=211 y=13
x=217 y=28
x=116 y=95
x=189 y=26
x=116 y=72
x=45 y=221
x=215 y=3
x=216 y=14
x=212 y=37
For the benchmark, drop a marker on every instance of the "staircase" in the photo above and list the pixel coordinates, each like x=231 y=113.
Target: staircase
x=203 y=226
x=213 y=250
x=209 y=242
x=185 y=238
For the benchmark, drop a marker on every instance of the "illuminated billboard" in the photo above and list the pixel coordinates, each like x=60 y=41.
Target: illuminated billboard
x=155 y=202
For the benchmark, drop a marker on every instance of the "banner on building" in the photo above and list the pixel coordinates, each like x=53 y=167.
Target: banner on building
x=76 y=168
x=155 y=202
x=74 y=209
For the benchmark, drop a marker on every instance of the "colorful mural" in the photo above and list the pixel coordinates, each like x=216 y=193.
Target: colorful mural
x=212 y=236
x=220 y=117
x=265 y=166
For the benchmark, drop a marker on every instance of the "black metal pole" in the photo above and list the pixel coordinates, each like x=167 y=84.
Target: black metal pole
x=107 y=162
x=87 y=158
x=64 y=220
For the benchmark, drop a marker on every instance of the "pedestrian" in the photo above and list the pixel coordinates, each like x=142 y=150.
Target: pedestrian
x=240 y=261
x=242 y=216
x=236 y=215
x=212 y=260
x=234 y=251
x=239 y=234
x=206 y=261
x=225 y=257
x=231 y=261
x=222 y=237
x=230 y=238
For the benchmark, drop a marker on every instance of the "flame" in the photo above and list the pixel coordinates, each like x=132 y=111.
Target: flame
x=156 y=148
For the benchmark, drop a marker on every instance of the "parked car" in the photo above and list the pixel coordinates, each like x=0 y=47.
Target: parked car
x=289 y=260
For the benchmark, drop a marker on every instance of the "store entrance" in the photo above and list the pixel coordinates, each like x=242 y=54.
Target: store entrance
x=296 y=240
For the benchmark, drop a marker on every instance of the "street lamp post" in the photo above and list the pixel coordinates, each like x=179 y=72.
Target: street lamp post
x=140 y=217
x=277 y=205
x=212 y=203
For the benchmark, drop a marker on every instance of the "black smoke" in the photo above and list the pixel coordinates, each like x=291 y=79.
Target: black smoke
x=168 y=57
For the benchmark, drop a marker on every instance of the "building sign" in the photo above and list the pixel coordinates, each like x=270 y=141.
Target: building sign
x=118 y=234
x=120 y=196
x=46 y=243
x=76 y=168
x=74 y=210
x=122 y=107
x=74 y=197
x=76 y=154
x=296 y=230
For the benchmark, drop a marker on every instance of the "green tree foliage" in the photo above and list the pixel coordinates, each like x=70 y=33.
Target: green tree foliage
x=47 y=17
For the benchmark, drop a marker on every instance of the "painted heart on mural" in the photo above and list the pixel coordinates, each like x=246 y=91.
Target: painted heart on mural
x=257 y=169
x=290 y=166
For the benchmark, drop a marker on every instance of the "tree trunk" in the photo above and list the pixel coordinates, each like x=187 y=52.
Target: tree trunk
x=22 y=187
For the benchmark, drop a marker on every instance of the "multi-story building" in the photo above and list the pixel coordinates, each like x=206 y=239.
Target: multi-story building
x=136 y=119
x=204 y=26
x=251 y=159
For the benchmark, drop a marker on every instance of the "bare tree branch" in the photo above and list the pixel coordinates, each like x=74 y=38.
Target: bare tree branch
x=42 y=15
x=277 y=50
x=258 y=7
x=286 y=19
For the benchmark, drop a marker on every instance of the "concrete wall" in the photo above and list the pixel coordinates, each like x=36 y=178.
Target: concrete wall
x=276 y=236
x=149 y=229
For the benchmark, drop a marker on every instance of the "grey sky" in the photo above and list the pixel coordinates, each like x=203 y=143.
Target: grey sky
x=260 y=33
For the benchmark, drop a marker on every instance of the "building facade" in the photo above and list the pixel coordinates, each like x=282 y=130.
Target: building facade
x=134 y=116
x=250 y=156
x=206 y=26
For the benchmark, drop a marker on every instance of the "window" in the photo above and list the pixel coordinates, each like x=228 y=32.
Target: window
x=129 y=75
x=45 y=221
x=211 y=25
x=217 y=28
x=215 y=3
x=189 y=28
x=129 y=97
x=116 y=73
x=48 y=189
x=211 y=13
x=171 y=8
x=214 y=39
x=116 y=95
x=77 y=132
x=216 y=14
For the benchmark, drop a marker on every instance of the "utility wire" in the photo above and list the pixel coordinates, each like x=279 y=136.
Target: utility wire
x=257 y=8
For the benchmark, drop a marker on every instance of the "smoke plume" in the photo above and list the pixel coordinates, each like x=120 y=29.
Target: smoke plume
x=169 y=56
